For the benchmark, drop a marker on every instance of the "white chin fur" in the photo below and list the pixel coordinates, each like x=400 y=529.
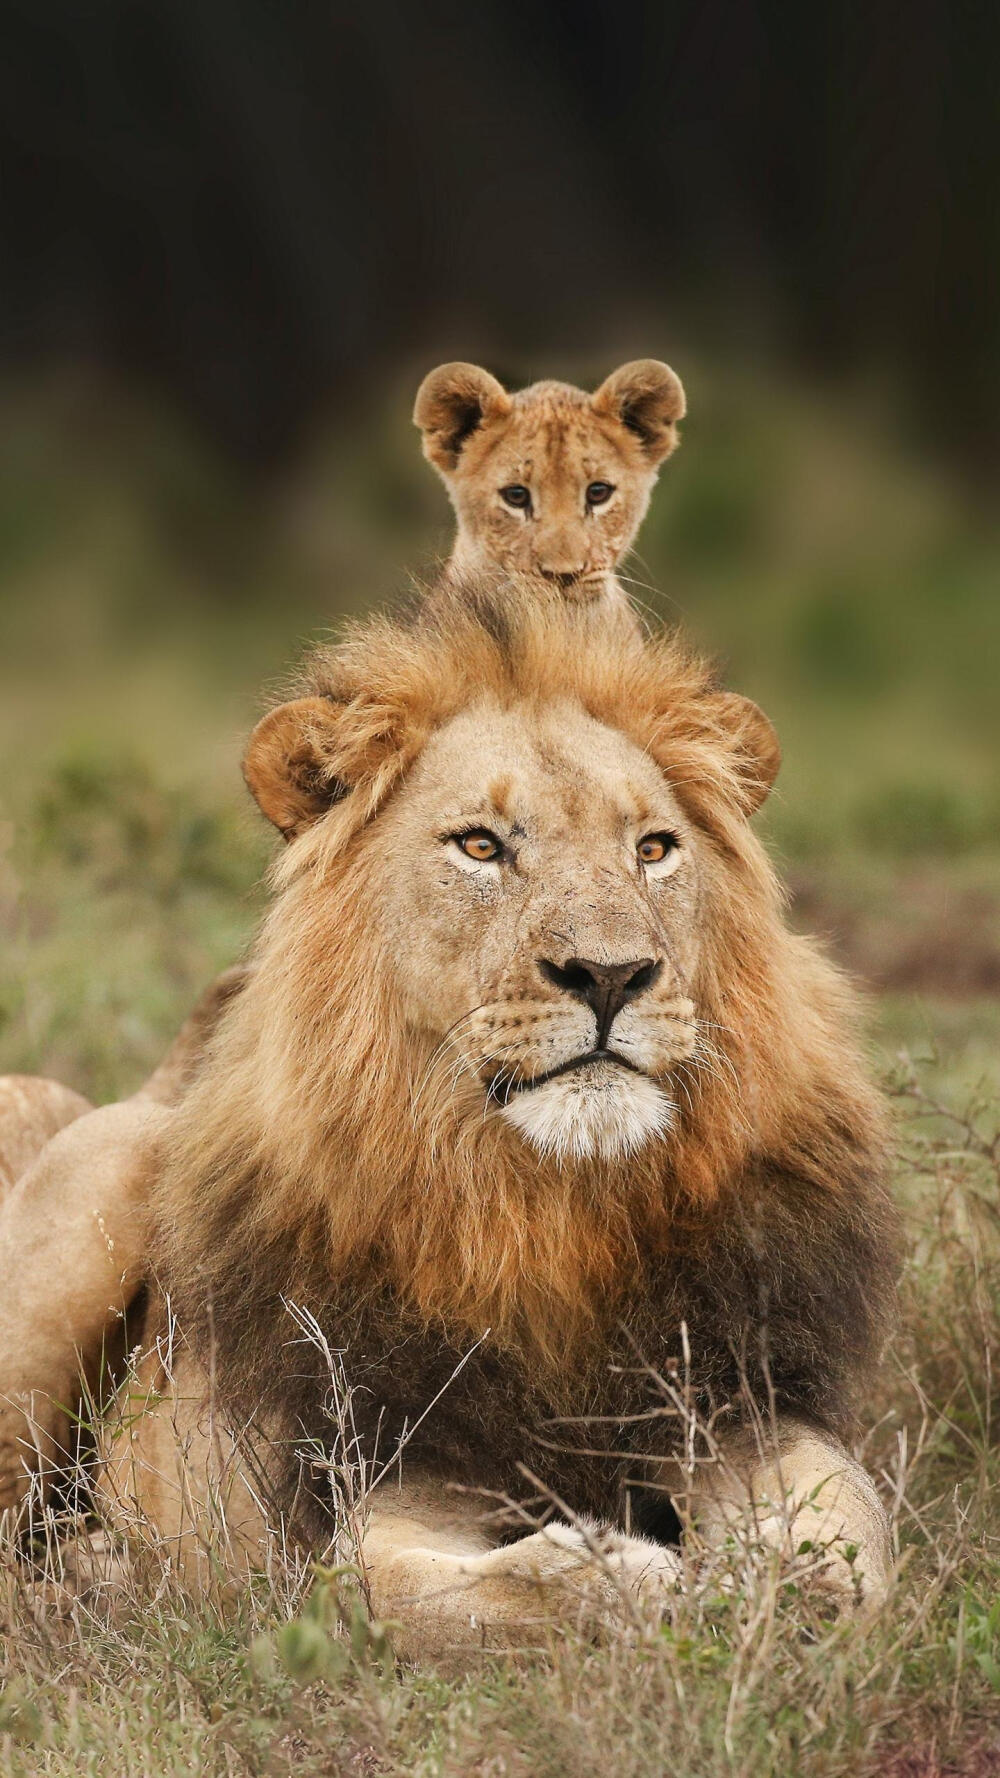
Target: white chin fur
x=600 y=1110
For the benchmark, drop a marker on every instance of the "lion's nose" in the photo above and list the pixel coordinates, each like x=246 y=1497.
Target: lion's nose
x=606 y=987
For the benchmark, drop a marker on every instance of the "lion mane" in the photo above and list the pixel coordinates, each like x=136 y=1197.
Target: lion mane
x=548 y=1313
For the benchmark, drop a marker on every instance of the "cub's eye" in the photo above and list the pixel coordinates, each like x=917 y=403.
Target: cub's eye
x=599 y=492
x=516 y=494
x=657 y=846
x=480 y=844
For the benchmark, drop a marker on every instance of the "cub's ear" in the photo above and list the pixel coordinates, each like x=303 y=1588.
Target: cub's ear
x=758 y=749
x=287 y=764
x=647 y=398
x=451 y=403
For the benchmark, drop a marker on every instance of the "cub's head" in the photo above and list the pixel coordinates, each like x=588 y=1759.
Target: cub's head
x=513 y=861
x=550 y=481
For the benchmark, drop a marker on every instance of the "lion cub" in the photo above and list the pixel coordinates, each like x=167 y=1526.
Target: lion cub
x=550 y=482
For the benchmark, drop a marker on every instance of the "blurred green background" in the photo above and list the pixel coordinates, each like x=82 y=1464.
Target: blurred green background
x=151 y=590
x=232 y=240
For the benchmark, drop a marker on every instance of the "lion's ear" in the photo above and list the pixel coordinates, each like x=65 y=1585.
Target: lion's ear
x=287 y=764
x=647 y=398
x=758 y=750
x=452 y=402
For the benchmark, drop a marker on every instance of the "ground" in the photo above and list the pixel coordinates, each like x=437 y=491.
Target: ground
x=146 y=596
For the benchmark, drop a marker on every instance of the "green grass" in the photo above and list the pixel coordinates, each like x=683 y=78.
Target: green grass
x=749 y=1681
x=145 y=596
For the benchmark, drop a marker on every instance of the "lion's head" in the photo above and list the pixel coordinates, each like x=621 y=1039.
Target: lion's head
x=525 y=986
x=549 y=481
x=534 y=888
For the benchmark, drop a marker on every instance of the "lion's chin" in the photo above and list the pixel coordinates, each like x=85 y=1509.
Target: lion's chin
x=603 y=1110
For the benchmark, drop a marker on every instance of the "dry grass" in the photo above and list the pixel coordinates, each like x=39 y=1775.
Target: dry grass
x=746 y=1676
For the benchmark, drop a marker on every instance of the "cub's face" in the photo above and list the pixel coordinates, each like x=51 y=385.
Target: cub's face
x=550 y=482
x=537 y=887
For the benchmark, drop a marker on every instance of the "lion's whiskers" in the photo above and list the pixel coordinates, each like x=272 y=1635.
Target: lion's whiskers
x=677 y=1073
x=448 y=1041
x=710 y=1062
x=704 y=1047
x=460 y=1062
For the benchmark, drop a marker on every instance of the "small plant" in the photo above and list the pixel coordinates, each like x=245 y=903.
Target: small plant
x=979 y=1638
x=333 y=1633
x=20 y=1716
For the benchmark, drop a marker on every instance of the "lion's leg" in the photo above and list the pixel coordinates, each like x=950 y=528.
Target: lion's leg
x=435 y=1572
x=71 y=1256
x=173 y=1476
x=801 y=1491
x=32 y=1110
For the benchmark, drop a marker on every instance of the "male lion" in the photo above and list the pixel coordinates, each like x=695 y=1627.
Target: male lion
x=550 y=482
x=533 y=1111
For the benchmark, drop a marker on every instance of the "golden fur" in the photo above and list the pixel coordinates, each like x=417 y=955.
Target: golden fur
x=554 y=441
x=31 y=1112
x=309 y=1111
x=347 y=1145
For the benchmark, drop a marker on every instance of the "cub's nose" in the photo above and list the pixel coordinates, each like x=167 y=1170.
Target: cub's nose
x=563 y=577
x=606 y=987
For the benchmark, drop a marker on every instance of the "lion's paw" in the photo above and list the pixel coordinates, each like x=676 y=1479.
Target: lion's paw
x=594 y=1560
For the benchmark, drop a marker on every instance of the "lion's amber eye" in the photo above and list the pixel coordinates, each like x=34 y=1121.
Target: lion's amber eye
x=598 y=493
x=657 y=846
x=516 y=494
x=480 y=844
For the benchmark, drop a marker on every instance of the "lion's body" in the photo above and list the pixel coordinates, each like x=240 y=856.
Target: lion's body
x=819 y=1268
x=760 y=1228
x=404 y=1128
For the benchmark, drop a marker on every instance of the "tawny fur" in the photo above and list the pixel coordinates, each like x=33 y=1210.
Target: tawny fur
x=31 y=1112
x=304 y=1164
x=555 y=441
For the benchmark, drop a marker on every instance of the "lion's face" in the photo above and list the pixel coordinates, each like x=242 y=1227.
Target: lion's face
x=503 y=809
x=536 y=885
x=549 y=482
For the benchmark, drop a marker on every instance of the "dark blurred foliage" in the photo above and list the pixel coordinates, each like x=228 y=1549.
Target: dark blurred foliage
x=257 y=207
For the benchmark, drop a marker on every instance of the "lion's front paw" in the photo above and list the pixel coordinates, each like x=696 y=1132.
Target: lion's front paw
x=829 y=1566
x=849 y=1567
x=599 y=1565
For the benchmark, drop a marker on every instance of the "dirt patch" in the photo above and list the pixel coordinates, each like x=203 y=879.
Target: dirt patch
x=916 y=929
x=981 y=1760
